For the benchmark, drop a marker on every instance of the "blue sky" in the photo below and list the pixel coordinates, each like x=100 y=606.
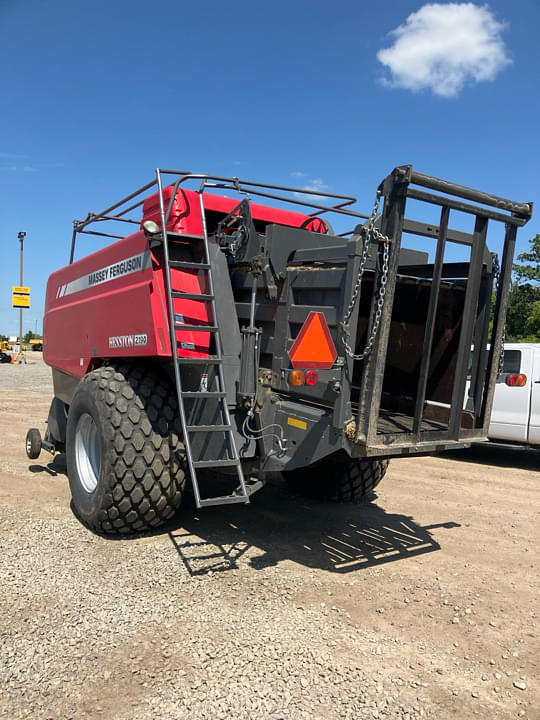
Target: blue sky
x=96 y=95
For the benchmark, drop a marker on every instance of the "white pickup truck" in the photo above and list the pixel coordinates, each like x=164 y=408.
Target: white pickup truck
x=516 y=407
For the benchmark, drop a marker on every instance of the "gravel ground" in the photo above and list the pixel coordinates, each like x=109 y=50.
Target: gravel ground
x=34 y=376
x=423 y=604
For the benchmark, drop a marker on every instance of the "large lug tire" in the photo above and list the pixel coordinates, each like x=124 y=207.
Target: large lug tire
x=125 y=458
x=338 y=478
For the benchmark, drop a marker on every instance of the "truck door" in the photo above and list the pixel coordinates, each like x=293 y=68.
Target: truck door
x=511 y=404
x=534 y=417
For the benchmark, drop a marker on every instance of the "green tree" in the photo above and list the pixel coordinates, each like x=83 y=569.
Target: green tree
x=529 y=268
x=520 y=303
x=523 y=311
x=29 y=335
x=532 y=324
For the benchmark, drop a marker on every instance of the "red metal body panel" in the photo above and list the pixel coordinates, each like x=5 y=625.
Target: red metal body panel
x=186 y=215
x=113 y=303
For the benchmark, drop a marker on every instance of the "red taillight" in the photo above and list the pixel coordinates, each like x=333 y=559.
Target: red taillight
x=303 y=377
x=515 y=380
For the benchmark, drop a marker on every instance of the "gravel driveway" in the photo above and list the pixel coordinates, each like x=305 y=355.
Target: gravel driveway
x=421 y=604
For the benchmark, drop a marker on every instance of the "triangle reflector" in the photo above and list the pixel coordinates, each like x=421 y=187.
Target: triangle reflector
x=314 y=347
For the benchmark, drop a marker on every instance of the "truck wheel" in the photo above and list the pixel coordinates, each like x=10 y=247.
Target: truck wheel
x=338 y=478
x=125 y=458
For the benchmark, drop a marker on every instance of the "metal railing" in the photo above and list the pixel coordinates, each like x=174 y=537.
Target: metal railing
x=284 y=194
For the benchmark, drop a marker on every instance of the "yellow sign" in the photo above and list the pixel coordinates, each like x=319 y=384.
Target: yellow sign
x=295 y=422
x=21 y=290
x=21 y=301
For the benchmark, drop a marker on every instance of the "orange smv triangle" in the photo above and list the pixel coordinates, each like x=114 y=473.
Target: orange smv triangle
x=314 y=347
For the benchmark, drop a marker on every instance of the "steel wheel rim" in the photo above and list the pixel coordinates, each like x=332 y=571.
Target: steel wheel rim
x=87 y=452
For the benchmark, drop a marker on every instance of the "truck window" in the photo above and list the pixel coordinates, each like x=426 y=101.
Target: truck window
x=512 y=361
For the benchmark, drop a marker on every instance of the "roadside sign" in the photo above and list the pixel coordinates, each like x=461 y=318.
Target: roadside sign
x=21 y=296
x=21 y=301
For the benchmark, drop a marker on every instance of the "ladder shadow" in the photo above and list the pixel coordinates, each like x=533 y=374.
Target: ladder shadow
x=280 y=526
x=203 y=557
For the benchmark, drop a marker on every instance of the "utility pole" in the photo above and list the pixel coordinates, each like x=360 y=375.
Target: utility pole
x=21 y=237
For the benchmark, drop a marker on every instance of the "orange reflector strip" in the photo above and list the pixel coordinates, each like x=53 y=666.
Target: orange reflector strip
x=314 y=347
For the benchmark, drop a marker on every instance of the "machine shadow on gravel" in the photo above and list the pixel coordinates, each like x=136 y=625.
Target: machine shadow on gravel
x=281 y=526
x=57 y=466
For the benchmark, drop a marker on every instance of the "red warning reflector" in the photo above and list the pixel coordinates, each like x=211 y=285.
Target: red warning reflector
x=314 y=347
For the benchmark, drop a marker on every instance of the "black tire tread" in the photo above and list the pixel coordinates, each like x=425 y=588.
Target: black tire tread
x=143 y=436
x=338 y=479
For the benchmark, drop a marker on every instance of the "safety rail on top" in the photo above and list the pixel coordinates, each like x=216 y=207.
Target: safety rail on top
x=297 y=196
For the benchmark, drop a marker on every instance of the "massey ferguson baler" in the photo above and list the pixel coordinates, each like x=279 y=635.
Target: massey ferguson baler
x=241 y=338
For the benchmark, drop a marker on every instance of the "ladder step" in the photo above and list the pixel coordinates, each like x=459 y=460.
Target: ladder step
x=189 y=265
x=208 y=428
x=196 y=328
x=215 y=463
x=204 y=394
x=223 y=500
x=191 y=296
x=212 y=360
x=252 y=487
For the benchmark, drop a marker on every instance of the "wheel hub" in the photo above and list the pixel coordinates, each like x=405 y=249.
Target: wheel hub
x=87 y=452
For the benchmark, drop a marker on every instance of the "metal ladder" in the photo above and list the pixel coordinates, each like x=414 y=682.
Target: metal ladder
x=215 y=399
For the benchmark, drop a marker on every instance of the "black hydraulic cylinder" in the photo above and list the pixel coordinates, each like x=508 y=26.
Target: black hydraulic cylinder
x=249 y=359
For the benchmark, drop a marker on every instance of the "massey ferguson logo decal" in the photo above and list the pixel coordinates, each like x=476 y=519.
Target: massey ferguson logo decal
x=128 y=266
x=128 y=341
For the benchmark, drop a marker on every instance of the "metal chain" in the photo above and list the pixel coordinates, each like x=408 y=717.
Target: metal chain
x=370 y=232
x=497 y=277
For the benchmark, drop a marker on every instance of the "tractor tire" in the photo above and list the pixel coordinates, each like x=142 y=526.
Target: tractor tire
x=338 y=478
x=124 y=451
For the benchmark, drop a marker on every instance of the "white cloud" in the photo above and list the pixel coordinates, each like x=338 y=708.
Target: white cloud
x=442 y=47
x=17 y=168
x=315 y=184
